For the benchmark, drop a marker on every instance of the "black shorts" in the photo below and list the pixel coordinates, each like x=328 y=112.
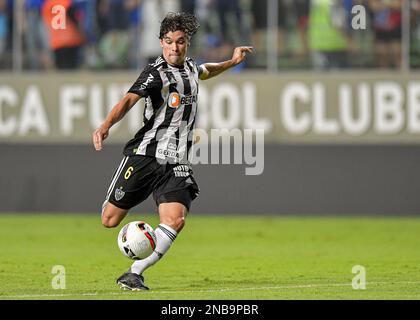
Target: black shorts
x=138 y=176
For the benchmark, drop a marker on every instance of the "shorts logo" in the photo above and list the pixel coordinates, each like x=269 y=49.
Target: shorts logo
x=181 y=171
x=174 y=100
x=119 y=194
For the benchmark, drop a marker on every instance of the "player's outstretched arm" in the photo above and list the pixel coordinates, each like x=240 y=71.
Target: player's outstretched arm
x=211 y=70
x=115 y=115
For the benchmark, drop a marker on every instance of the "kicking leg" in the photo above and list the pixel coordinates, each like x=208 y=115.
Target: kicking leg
x=172 y=220
x=172 y=217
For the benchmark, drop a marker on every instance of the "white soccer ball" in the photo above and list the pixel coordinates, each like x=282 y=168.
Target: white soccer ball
x=137 y=240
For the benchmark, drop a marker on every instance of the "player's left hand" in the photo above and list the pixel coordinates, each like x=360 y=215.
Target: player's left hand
x=239 y=54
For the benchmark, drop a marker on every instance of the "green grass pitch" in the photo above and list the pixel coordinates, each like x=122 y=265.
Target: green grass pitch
x=215 y=257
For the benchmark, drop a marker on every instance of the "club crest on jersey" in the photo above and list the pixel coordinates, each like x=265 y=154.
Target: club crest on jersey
x=119 y=194
x=174 y=100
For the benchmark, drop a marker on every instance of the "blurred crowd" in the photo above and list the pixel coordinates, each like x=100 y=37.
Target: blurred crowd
x=123 y=34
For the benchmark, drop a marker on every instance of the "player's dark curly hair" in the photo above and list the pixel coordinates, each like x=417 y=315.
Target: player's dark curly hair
x=179 y=21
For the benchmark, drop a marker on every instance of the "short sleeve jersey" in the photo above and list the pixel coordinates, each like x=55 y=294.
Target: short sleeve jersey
x=170 y=110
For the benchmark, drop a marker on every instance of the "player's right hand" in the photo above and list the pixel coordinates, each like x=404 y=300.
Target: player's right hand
x=98 y=136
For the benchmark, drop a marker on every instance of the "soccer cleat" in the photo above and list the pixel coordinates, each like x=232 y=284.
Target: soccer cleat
x=132 y=281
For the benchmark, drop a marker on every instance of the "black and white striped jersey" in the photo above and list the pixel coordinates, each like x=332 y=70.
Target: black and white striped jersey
x=170 y=110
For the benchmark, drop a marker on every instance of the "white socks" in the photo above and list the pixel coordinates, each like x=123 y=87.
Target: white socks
x=165 y=235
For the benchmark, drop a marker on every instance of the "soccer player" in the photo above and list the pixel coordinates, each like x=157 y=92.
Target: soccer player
x=156 y=159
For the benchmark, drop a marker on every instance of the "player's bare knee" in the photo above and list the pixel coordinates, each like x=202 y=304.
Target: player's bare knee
x=108 y=222
x=112 y=216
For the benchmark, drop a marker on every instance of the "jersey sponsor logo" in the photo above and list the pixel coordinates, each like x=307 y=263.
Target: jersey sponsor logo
x=175 y=99
x=189 y=99
x=119 y=194
x=169 y=153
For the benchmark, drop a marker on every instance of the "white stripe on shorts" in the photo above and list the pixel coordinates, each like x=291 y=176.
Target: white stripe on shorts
x=115 y=178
